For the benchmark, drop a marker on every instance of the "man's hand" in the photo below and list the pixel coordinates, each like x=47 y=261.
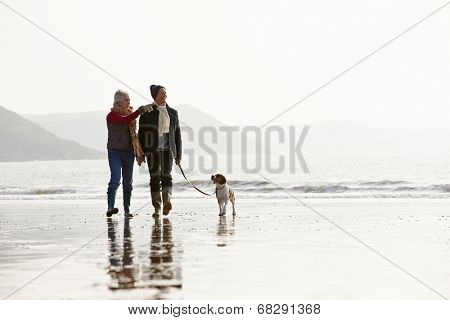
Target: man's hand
x=177 y=162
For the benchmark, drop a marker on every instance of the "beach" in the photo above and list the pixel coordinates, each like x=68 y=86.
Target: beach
x=273 y=249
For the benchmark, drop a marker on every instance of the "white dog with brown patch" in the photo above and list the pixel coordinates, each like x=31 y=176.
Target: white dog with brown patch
x=223 y=193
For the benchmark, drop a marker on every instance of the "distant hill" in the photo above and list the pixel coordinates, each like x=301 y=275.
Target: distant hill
x=86 y=128
x=349 y=138
x=23 y=140
x=343 y=138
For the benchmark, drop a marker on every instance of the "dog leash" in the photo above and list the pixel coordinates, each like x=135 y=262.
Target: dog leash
x=207 y=194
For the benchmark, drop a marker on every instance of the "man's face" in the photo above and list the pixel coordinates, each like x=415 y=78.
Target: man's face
x=161 y=96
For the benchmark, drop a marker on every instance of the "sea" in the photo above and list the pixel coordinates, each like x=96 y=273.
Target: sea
x=411 y=176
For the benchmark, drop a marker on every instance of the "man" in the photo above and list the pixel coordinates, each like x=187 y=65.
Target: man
x=160 y=138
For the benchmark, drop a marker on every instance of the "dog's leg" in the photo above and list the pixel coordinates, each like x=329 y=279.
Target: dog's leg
x=220 y=207
x=232 y=200
x=225 y=207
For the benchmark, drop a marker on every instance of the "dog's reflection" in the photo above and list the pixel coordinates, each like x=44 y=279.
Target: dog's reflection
x=224 y=231
x=121 y=267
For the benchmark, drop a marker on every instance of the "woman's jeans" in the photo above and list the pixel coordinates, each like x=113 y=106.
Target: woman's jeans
x=120 y=164
x=160 y=167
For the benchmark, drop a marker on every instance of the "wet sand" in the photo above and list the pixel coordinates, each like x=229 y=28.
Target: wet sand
x=272 y=249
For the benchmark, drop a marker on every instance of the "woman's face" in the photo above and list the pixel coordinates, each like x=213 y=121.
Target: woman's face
x=161 y=97
x=125 y=102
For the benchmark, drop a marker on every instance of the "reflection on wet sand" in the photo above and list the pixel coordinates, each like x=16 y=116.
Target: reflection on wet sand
x=163 y=271
x=121 y=267
x=157 y=266
x=223 y=231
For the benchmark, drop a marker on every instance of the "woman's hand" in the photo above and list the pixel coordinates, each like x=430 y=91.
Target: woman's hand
x=140 y=159
x=146 y=108
x=177 y=162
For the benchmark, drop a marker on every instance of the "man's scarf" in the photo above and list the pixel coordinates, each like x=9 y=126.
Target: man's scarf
x=132 y=127
x=164 y=120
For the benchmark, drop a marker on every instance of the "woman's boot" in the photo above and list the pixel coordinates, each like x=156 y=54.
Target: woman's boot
x=126 y=204
x=111 y=194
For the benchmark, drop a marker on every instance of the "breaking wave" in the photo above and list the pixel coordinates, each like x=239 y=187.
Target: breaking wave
x=248 y=188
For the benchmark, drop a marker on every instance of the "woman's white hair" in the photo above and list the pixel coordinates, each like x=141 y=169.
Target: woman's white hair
x=119 y=96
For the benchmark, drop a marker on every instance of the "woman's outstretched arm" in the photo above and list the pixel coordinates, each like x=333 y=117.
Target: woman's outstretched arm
x=117 y=118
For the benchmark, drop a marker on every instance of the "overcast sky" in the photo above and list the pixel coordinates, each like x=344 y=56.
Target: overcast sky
x=243 y=62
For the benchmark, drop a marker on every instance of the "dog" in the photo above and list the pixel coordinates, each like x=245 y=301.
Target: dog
x=223 y=194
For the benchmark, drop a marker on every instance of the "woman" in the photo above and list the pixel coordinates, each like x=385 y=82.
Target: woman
x=123 y=146
x=160 y=138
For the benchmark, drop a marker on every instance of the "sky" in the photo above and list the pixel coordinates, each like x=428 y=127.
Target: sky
x=243 y=62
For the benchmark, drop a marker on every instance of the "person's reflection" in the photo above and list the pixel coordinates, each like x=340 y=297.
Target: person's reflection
x=160 y=269
x=121 y=267
x=164 y=272
x=223 y=232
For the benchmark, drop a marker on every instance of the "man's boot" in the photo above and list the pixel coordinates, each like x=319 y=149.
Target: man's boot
x=156 y=202
x=167 y=197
